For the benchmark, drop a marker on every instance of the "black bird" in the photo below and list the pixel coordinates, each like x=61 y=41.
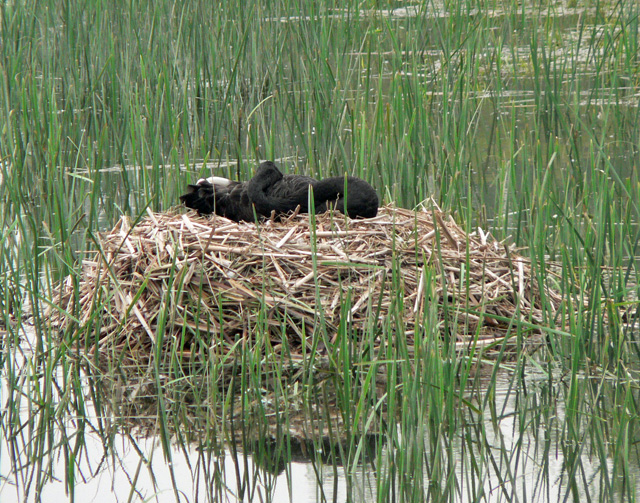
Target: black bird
x=269 y=190
x=220 y=196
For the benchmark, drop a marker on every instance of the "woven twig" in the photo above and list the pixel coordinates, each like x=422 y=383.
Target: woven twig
x=213 y=280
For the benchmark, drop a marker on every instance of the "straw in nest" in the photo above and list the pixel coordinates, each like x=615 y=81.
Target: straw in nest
x=182 y=281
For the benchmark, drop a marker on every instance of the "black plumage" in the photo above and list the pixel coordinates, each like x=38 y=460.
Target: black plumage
x=269 y=190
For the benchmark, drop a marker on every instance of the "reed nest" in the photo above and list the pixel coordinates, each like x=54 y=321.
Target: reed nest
x=187 y=284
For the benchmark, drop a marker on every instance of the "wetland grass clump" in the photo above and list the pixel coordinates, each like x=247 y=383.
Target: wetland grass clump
x=520 y=119
x=177 y=285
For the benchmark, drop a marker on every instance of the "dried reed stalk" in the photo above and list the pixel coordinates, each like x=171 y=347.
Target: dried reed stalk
x=195 y=283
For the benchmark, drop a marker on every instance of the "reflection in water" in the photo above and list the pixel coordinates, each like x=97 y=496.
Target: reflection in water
x=525 y=447
x=138 y=467
x=118 y=446
x=107 y=438
x=538 y=453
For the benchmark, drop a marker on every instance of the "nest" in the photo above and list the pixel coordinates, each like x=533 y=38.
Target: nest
x=200 y=284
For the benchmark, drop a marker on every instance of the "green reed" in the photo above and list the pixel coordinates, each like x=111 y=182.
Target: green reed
x=520 y=119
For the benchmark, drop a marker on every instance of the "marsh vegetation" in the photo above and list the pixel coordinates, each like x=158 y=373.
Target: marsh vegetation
x=520 y=120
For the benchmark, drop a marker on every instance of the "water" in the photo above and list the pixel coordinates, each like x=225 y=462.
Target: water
x=137 y=468
x=521 y=430
x=516 y=439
